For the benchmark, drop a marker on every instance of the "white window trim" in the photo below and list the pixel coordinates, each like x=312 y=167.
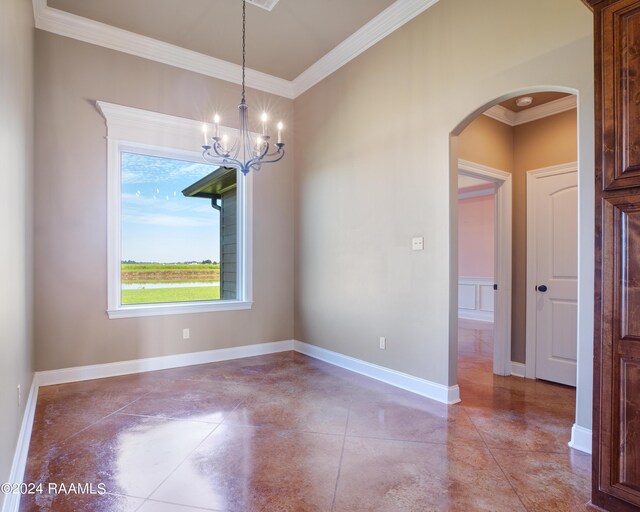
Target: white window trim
x=172 y=137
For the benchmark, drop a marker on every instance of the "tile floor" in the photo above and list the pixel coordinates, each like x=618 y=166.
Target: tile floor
x=288 y=433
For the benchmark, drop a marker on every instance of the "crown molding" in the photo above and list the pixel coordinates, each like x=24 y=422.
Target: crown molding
x=592 y=4
x=389 y=20
x=506 y=116
x=90 y=31
x=93 y=32
x=548 y=109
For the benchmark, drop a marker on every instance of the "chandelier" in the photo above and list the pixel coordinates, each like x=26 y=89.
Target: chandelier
x=245 y=153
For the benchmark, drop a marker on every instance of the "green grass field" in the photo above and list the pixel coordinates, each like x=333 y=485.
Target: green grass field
x=173 y=273
x=158 y=295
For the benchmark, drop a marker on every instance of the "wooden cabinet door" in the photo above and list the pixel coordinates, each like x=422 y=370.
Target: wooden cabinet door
x=621 y=94
x=619 y=433
x=616 y=405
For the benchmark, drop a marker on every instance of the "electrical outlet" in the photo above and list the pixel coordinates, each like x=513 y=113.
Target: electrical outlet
x=417 y=243
x=383 y=343
x=19 y=396
x=185 y=334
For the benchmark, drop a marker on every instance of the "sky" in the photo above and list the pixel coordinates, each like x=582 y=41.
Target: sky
x=159 y=224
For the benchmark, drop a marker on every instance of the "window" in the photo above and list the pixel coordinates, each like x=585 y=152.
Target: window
x=178 y=227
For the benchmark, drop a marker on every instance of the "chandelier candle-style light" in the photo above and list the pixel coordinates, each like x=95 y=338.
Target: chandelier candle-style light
x=245 y=153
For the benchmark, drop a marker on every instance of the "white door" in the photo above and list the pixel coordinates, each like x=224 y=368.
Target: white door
x=554 y=199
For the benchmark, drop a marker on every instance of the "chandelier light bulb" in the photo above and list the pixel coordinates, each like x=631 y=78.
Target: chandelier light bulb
x=216 y=120
x=280 y=127
x=204 y=132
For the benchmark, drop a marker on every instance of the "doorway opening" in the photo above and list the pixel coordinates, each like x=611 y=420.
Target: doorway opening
x=484 y=254
x=518 y=146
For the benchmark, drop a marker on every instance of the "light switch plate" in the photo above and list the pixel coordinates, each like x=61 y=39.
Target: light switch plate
x=417 y=243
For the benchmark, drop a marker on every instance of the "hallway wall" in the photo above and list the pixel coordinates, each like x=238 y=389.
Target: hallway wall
x=488 y=142
x=16 y=171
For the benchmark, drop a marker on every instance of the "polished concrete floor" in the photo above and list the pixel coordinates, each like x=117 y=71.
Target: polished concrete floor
x=288 y=433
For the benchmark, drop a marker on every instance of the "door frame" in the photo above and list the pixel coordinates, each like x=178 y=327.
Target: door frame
x=531 y=328
x=502 y=263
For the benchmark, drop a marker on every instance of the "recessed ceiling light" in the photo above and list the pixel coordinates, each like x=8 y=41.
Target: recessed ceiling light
x=525 y=101
x=265 y=4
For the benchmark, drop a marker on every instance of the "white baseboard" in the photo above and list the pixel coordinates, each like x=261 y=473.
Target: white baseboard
x=439 y=392
x=426 y=388
x=581 y=439
x=12 y=501
x=98 y=371
x=518 y=369
x=435 y=391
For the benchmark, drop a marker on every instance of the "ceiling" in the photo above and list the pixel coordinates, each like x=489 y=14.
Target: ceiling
x=283 y=42
x=539 y=98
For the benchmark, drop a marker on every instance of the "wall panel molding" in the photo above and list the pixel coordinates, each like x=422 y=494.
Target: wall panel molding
x=476 y=298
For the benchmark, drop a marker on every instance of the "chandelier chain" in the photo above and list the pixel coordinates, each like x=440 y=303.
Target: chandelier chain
x=244 y=37
x=246 y=153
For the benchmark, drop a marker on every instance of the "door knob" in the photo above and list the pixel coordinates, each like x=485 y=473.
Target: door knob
x=542 y=288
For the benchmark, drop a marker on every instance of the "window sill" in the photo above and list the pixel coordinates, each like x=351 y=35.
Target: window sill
x=176 y=309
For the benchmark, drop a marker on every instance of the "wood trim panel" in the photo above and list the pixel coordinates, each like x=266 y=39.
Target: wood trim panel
x=628 y=278
x=621 y=94
x=628 y=470
x=619 y=426
x=616 y=404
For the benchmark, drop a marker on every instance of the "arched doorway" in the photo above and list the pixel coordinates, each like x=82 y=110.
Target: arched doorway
x=502 y=363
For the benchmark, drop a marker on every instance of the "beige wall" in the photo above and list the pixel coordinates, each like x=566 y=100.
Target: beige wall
x=71 y=325
x=16 y=171
x=373 y=153
x=542 y=143
x=488 y=142
x=476 y=236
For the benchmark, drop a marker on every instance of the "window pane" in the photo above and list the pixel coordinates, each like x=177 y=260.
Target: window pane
x=171 y=240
